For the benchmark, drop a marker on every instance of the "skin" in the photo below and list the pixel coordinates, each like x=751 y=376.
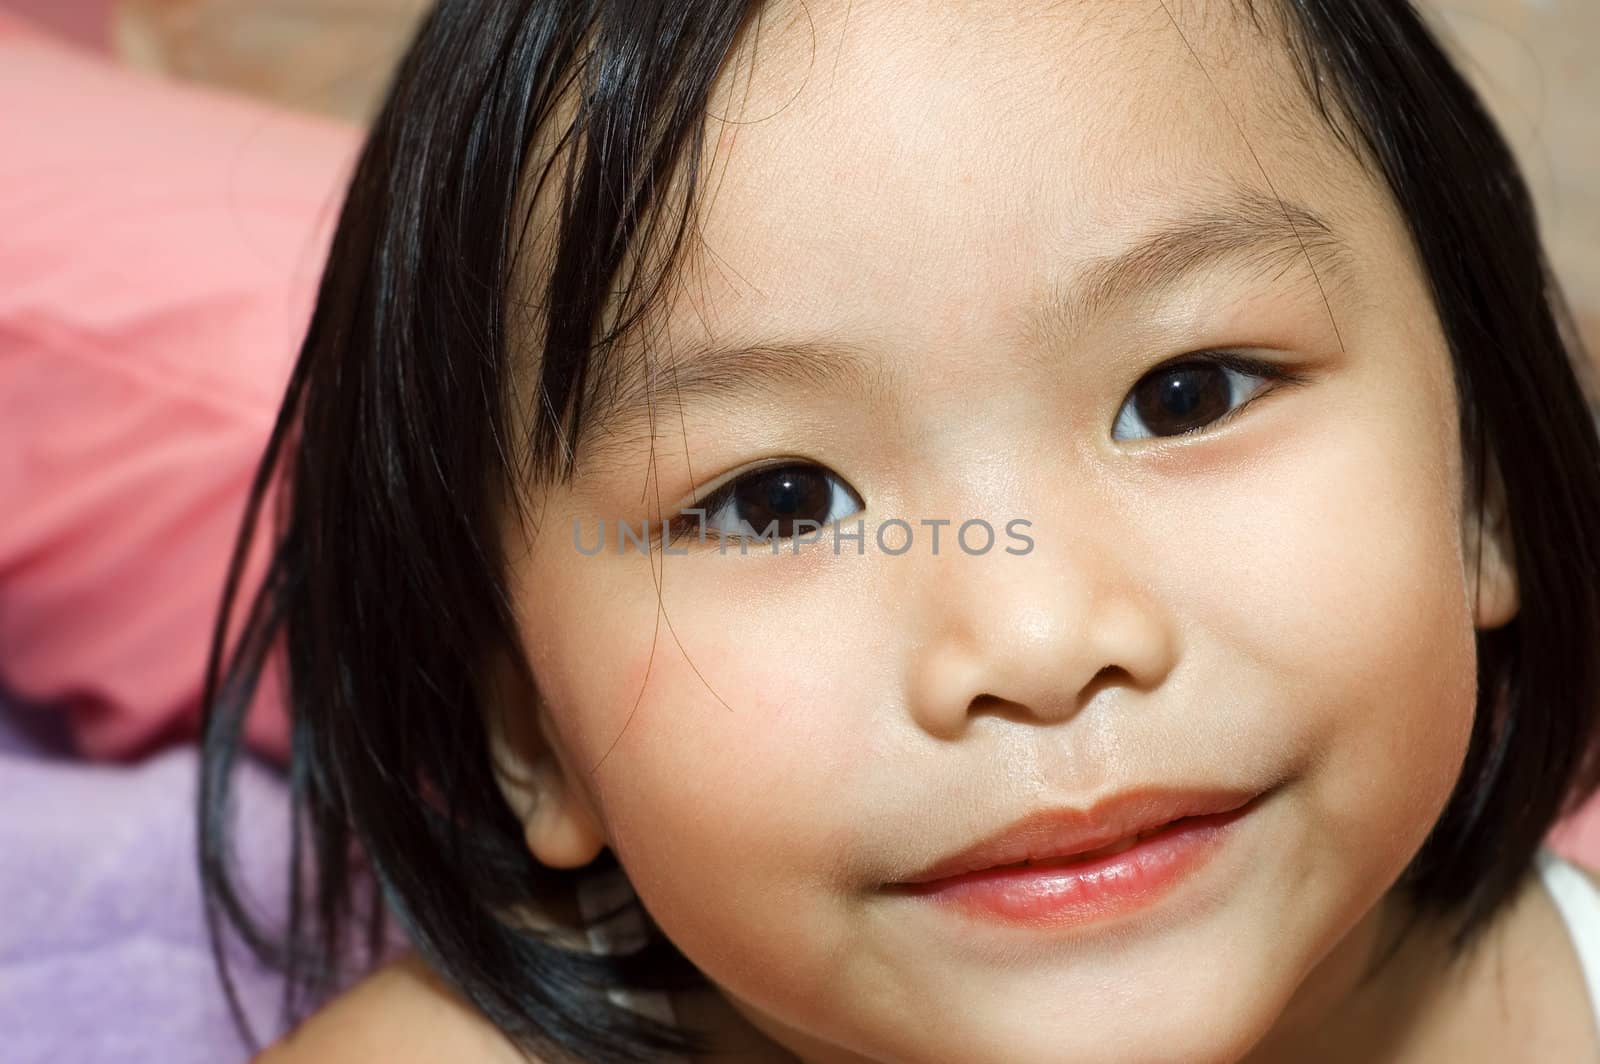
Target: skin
x=1283 y=602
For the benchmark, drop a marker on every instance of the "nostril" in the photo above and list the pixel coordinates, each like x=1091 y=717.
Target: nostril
x=1109 y=676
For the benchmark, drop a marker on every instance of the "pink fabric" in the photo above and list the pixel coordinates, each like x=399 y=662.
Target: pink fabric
x=160 y=254
x=1577 y=838
x=85 y=22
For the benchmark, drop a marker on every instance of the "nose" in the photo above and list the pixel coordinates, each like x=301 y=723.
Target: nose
x=1034 y=637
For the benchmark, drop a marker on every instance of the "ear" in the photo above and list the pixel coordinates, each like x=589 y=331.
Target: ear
x=1491 y=570
x=560 y=828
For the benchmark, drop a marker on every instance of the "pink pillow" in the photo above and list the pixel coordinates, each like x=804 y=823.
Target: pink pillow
x=160 y=255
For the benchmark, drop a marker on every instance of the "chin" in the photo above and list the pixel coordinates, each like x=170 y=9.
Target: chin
x=1221 y=1034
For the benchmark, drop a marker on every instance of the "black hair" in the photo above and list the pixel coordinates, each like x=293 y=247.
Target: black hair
x=386 y=590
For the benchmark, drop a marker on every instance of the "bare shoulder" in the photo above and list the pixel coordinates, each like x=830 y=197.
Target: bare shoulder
x=402 y=1013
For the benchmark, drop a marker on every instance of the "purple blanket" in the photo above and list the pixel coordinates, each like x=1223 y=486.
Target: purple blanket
x=103 y=951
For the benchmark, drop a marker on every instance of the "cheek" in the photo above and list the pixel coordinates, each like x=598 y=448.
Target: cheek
x=722 y=760
x=1349 y=597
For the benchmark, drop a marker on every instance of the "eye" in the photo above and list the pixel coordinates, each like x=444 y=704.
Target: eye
x=1188 y=396
x=773 y=498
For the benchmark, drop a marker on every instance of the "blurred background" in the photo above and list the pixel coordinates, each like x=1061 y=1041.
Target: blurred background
x=1532 y=59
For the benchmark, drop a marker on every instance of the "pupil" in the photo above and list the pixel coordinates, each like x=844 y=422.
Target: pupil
x=1182 y=398
x=784 y=495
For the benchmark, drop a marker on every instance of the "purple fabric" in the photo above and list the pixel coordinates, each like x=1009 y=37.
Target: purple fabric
x=103 y=950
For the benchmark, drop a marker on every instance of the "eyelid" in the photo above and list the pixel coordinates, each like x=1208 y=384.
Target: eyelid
x=712 y=499
x=1274 y=376
x=724 y=485
x=1235 y=360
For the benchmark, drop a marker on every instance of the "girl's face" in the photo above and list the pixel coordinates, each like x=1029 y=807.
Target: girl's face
x=944 y=252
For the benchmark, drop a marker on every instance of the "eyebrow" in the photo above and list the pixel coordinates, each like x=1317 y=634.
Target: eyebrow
x=620 y=416
x=1247 y=228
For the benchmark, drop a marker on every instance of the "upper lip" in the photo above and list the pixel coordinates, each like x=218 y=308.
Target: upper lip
x=1064 y=832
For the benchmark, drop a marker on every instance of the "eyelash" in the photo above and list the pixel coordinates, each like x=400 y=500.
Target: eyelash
x=1272 y=375
x=686 y=524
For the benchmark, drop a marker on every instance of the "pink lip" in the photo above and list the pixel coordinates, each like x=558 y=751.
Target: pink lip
x=1036 y=871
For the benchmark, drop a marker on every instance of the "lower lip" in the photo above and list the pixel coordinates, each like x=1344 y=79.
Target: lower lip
x=1094 y=889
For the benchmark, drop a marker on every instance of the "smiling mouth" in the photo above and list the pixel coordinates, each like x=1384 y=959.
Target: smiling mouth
x=1067 y=837
x=1082 y=857
x=1061 y=888
x=1108 y=850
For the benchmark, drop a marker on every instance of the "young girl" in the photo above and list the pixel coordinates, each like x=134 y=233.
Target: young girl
x=923 y=532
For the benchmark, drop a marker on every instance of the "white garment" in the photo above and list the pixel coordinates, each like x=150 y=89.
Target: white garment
x=1579 y=904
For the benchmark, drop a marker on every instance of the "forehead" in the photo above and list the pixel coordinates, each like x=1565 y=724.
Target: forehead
x=881 y=165
x=907 y=191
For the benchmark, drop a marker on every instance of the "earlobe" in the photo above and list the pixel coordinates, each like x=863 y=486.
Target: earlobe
x=560 y=830
x=1496 y=599
x=1490 y=554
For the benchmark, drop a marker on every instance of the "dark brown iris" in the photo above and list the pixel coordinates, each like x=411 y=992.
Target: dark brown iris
x=1182 y=398
x=781 y=496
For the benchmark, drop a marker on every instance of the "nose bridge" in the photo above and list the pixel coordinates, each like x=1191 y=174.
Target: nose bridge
x=1033 y=634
